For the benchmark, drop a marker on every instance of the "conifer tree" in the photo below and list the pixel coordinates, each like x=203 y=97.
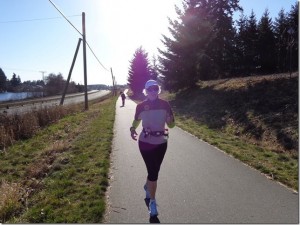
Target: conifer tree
x=202 y=43
x=221 y=48
x=281 y=41
x=15 y=80
x=294 y=35
x=139 y=71
x=251 y=45
x=182 y=61
x=266 y=44
x=240 y=40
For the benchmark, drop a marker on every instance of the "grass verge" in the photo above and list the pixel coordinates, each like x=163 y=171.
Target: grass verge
x=60 y=175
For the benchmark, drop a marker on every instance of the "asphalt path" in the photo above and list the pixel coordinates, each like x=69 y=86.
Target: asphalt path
x=34 y=104
x=198 y=183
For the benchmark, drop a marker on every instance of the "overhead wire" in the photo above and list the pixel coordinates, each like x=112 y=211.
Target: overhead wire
x=79 y=33
x=96 y=56
x=20 y=69
x=65 y=17
x=37 y=19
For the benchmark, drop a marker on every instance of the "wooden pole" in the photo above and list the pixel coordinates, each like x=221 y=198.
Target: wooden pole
x=113 y=82
x=84 y=62
x=70 y=72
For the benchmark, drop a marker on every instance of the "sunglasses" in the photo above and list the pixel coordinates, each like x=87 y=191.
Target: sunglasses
x=153 y=88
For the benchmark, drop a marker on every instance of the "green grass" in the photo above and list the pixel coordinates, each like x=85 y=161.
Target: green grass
x=62 y=171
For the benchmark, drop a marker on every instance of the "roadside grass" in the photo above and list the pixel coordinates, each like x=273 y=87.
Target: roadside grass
x=254 y=119
x=24 y=126
x=60 y=174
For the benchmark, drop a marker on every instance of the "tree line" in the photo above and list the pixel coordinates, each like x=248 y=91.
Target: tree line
x=206 y=43
x=53 y=85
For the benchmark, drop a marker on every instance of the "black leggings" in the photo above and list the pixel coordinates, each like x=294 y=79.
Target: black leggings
x=153 y=156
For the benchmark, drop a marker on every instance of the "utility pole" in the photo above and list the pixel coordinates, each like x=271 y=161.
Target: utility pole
x=43 y=75
x=113 y=82
x=84 y=62
x=43 y=80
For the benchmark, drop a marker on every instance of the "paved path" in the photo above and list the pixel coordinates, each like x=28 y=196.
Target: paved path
x=197 y=184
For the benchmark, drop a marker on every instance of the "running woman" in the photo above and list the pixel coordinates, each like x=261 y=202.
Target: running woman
x=154 y=113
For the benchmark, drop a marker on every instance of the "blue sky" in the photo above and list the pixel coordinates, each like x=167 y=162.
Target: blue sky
x=34 y=36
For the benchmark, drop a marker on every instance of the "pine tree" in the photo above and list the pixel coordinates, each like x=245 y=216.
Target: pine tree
x=281 y=40
x=294 y=35
x=266 y=44
x=139 y=71
x=221 y=48
x=241 y=39
x=251 y=44
x=15 y=80
x=182 y=63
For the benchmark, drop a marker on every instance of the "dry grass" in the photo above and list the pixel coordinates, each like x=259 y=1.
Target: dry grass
x=10 y=195
x=24 y=126
x=41 y=167
x=243 y=82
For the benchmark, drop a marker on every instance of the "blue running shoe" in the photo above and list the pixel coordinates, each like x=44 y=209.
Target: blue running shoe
x=147 y=192
x=152 y=208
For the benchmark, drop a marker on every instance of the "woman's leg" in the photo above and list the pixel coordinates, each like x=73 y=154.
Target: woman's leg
x=151 y=187
x=153 y=156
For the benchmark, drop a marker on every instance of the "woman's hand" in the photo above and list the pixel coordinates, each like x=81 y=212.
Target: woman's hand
x=133 y=133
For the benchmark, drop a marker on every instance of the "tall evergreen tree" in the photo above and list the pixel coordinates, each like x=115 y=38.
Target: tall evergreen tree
x=240 y=40
x=251 y=44
x=15 y=80
x=139 y=71
x=2 y=81
x=182 y=63
x=266 y=44
x=294 y=35
x=221 y=47
x=202 y=45
x=281 y=40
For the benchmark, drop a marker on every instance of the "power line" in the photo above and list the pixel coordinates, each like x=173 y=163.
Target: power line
x=96 y=56
x=37 y=19
x=65 y=17
x=78 y=32
x=15 y=69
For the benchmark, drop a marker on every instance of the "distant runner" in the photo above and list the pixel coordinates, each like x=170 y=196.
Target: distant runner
x=153 y=140
x=123 y=98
